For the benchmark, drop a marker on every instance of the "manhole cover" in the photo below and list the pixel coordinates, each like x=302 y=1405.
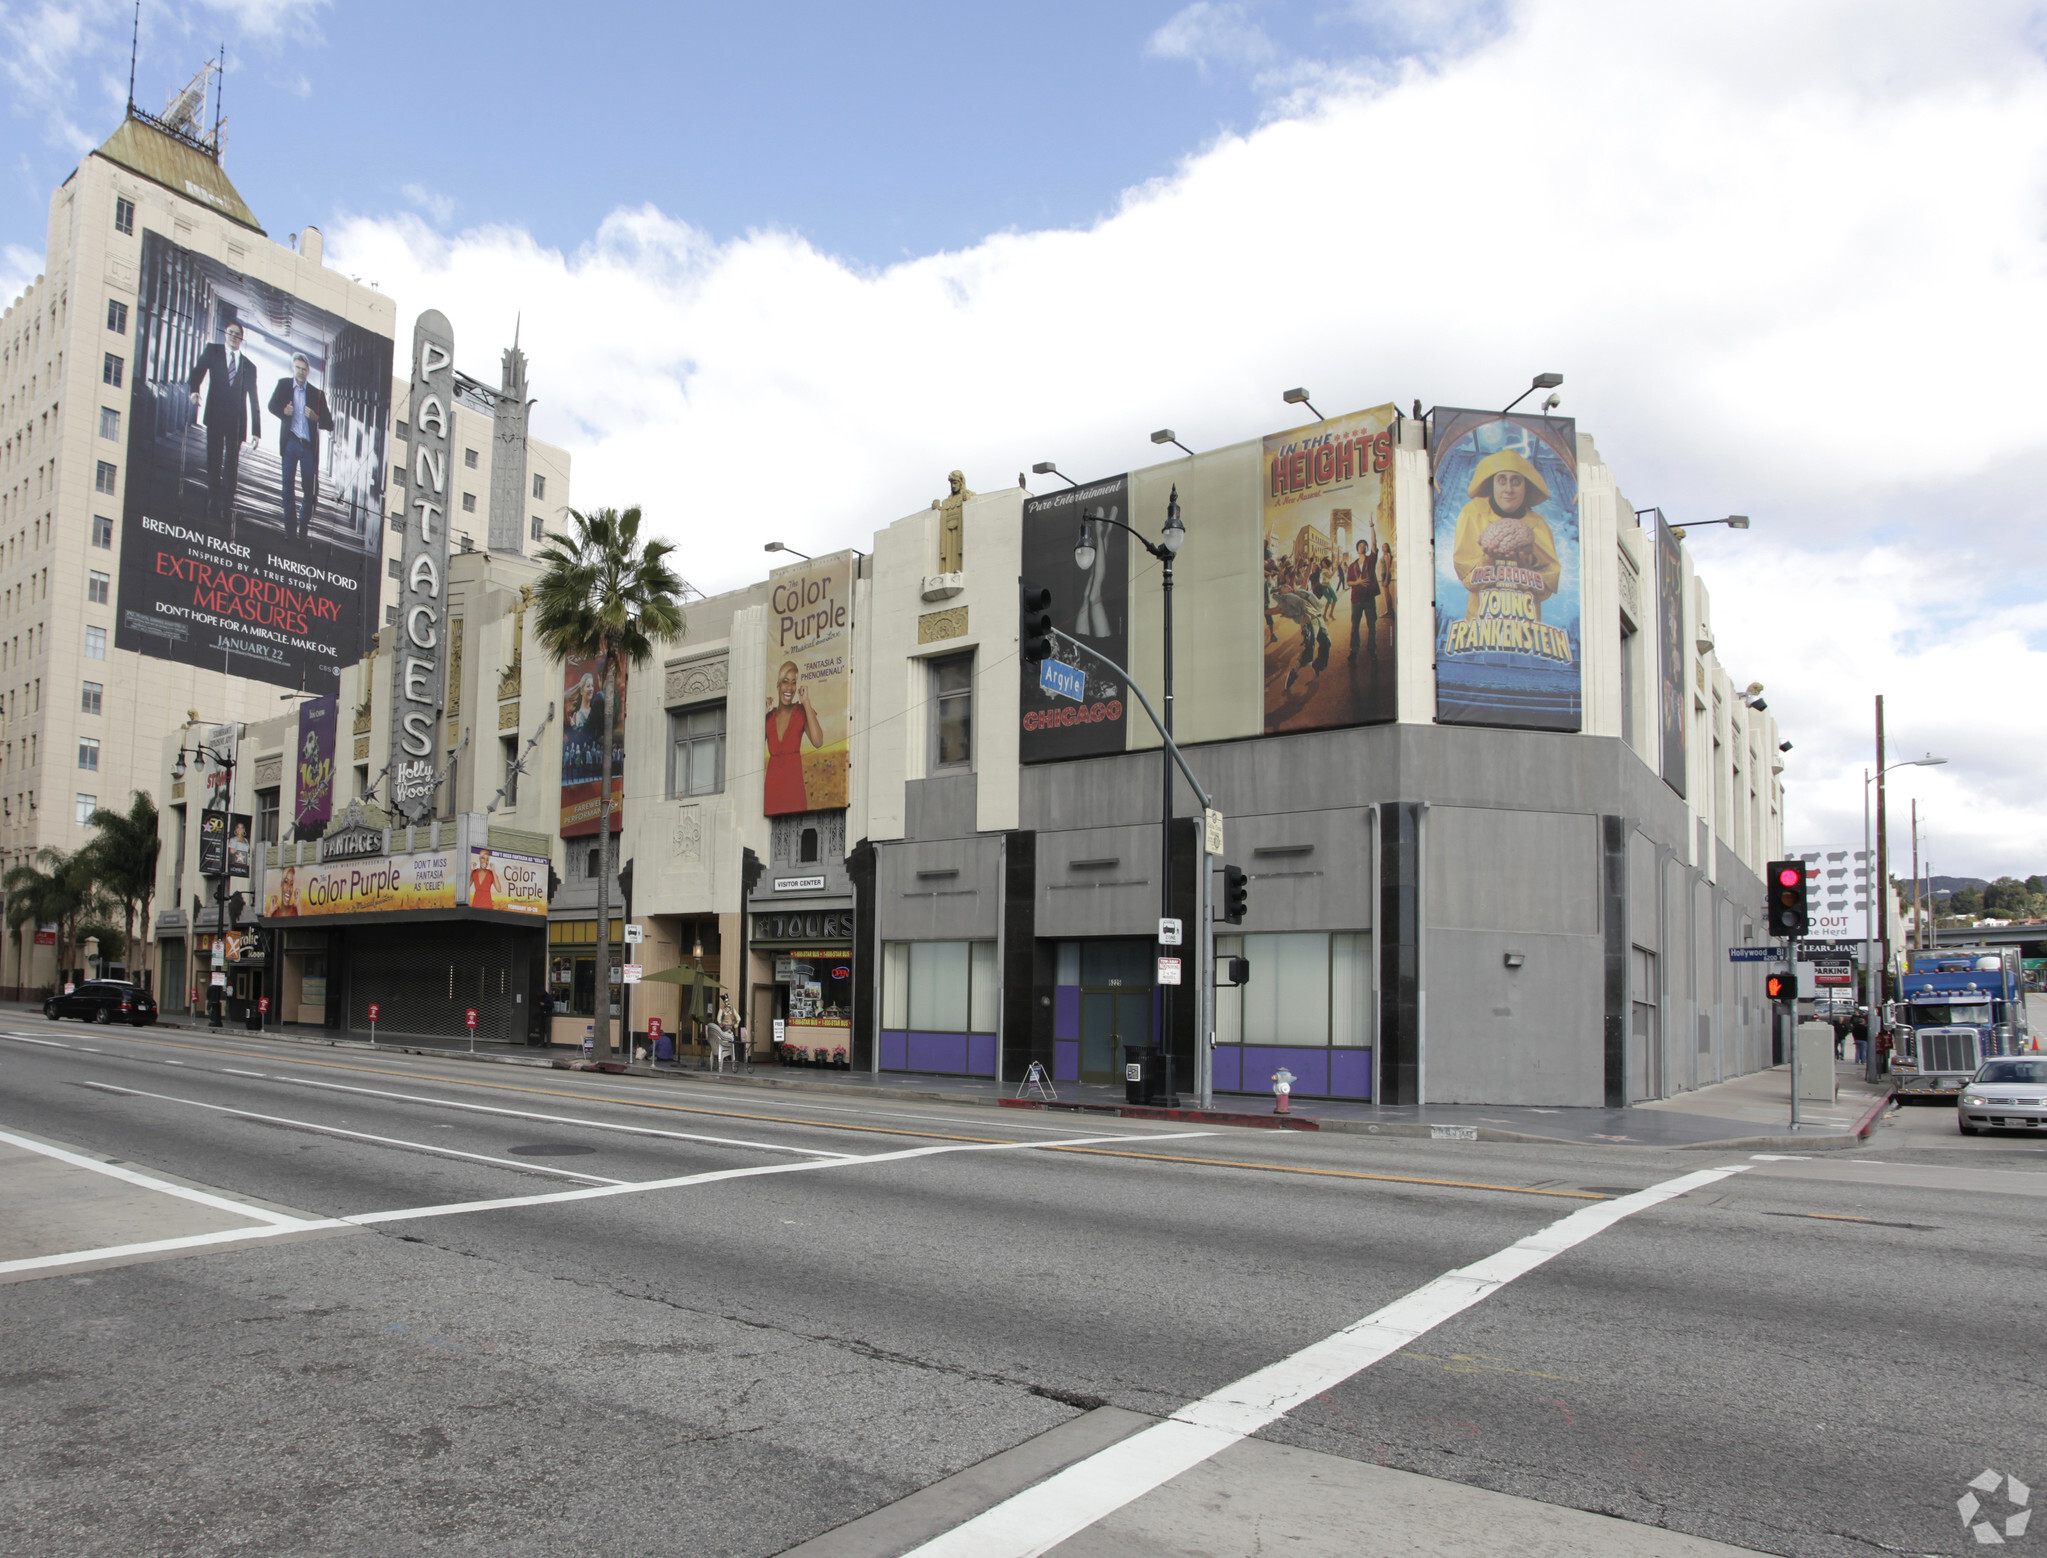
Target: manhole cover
x=551 y=1149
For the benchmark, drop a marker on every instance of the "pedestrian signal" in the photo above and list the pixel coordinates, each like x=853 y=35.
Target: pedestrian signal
x=1786 y=909
x=1034 y=632
x=1236 y=971
x=1781 y=987
x=1236 y=895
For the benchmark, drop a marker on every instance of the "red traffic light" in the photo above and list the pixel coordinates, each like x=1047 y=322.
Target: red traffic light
x=1790 y=876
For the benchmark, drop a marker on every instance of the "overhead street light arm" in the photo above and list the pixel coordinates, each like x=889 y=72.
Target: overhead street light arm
x=1162 y=549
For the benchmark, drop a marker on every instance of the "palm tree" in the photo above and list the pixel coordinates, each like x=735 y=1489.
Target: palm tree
x=60 y=886
x=29 y=896
x=605 y=596
x=124 y=858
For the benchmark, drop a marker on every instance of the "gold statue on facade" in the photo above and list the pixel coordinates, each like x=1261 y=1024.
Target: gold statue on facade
x=952 y=515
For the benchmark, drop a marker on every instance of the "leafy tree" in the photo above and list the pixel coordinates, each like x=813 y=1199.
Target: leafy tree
x=2037 y=886
x=56 y=886
x=1965 y=900
x=123 y=858
x=2005 y=897
x=606 y=596
x=112 y=939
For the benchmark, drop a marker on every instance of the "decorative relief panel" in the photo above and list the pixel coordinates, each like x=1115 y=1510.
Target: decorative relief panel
x=936 y=626
x=686 y=842
x=706 y=678
x=362 y=749
x=269 y=770
x=508 y=716
x=785 y=838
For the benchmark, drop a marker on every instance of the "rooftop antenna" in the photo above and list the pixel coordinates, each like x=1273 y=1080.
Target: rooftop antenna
x=134 y=47
x=219 y=84
x=516 y=318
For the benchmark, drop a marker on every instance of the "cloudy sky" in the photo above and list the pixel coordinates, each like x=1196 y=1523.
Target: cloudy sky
x=807 y=258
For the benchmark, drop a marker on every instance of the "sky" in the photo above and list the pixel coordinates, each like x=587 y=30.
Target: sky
x=802 y=260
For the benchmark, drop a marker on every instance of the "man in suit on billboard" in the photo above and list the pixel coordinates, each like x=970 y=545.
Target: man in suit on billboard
x=231 y=413
x=302 y=415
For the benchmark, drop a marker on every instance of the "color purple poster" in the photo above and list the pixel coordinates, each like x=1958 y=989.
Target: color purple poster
x=315 y=787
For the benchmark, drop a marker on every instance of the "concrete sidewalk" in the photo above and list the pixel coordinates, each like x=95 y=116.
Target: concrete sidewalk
x=1752 y=1112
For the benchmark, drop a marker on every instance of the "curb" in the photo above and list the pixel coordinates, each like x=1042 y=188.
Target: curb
x=1274 y=1122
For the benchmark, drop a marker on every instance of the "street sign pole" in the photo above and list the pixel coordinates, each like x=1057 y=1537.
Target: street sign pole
x=1793 y=944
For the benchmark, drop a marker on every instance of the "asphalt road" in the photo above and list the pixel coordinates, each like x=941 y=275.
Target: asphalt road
x=1805 y=1357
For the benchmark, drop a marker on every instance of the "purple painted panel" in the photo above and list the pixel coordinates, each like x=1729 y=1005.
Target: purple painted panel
x=892 y=1050
x=1066 y=1012
x=1309 y=1066
x=1229 y=1067
x=1066 y=1060
x=981 y=1054
x=1350 y=1073
x=937 y=1052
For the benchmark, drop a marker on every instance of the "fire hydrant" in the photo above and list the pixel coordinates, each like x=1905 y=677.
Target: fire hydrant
x=1282 y=1091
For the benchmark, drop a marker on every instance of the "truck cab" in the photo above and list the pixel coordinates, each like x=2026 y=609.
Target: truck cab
x=1956 y=1009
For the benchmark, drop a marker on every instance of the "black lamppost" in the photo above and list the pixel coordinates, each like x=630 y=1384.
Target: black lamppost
x=215 y=1004
x=1171 y=536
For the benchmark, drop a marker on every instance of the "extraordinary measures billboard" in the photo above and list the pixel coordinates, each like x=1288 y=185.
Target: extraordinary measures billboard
x=252 y=531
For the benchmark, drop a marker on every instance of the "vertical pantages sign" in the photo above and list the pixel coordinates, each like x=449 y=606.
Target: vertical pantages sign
x=1670 y=653
x=810 y=686
x=419 y=662
x=1328 y=574
x=1078 y=711
x=313 y=789
x=1508 y=642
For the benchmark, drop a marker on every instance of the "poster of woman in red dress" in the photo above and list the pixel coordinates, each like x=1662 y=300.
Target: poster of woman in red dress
x=810 y=645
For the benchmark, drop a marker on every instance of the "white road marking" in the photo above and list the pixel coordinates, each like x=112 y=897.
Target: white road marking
x=563 y=1119
x=116 y=1171
x=1063 y=1505
x=174 y=1063
x=336 y=1130
x=157 y=1246
x=365 y=1219
x=281 y=1224
x=230 y=1070
x=22 y=1038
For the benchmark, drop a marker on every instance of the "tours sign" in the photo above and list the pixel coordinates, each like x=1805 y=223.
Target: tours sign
x=419 y=663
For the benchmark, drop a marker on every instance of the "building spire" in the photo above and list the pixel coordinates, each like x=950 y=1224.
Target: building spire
x=134 y=48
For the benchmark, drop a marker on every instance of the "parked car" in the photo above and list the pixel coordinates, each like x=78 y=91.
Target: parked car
x=103 y=1000
x=2007 y=1094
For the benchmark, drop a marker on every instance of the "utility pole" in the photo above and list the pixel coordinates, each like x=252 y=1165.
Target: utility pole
x=1883 y=866
x=1918 y=916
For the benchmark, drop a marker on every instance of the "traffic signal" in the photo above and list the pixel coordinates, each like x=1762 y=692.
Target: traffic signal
x=1236 y=971
x=1034 y=632
x=1236 y=896
x=1781 y=986
x=1786 y=910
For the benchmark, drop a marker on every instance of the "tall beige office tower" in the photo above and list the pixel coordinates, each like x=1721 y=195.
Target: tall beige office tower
x=200 y=465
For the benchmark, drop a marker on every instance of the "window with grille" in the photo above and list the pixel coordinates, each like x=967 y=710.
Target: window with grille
x=117 y=316
x=95 y=643
x=124 y=215
x=89 y=701
x=110 y=370
x=110 y=423
x=102 y=532
x=104 y=478
x=266 y=816
x=952 y=712
x=96 y=587
x=89 y=754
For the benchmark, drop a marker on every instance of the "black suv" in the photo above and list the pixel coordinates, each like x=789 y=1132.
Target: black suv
x=103 y=1000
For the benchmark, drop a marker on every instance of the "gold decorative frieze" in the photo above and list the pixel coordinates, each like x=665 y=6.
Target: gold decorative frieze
x=935 y=627
x=508 y=716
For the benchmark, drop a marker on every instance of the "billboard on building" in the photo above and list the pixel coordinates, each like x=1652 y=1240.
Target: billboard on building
x=252 y=530
x=1329 y=573
x=584 y=701
x=1508 y=641
x=1074 y=705
x=1670 y=653
x=361 y=886
x=508 y=883
x=810 y=686
x=313 y=791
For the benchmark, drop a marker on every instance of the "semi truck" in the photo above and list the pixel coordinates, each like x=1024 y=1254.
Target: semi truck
x=1957 y=1007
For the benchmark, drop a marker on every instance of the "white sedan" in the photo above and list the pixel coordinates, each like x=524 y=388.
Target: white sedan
x=2005 y=1095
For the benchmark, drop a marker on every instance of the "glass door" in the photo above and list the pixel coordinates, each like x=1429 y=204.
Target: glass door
x=1115 y=1005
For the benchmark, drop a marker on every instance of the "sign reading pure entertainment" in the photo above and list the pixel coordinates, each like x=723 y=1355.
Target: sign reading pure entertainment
x=419 y=662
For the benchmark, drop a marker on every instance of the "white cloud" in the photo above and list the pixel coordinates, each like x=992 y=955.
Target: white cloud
x=1789 y=259
x=1212 y=32
x=19 y=267
x=436 y=205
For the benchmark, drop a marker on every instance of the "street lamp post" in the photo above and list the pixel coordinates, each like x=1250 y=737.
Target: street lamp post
x=216 y=1005
x=1171 y=536
x=1872 y=985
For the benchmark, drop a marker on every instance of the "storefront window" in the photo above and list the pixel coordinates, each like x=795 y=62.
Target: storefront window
x=820 y=985
x=940 y=986
x=1308 y=989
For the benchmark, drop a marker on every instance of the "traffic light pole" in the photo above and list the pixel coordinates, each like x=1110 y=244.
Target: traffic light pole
x=1793 y=1005
x=1204 y=937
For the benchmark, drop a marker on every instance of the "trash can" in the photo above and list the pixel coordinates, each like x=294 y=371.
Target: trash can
x=1143 y=1073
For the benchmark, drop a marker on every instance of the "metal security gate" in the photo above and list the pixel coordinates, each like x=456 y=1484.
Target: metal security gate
x=424 y=979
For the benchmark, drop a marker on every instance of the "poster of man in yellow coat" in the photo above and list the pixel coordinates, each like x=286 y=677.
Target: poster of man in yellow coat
x=1507 y=587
